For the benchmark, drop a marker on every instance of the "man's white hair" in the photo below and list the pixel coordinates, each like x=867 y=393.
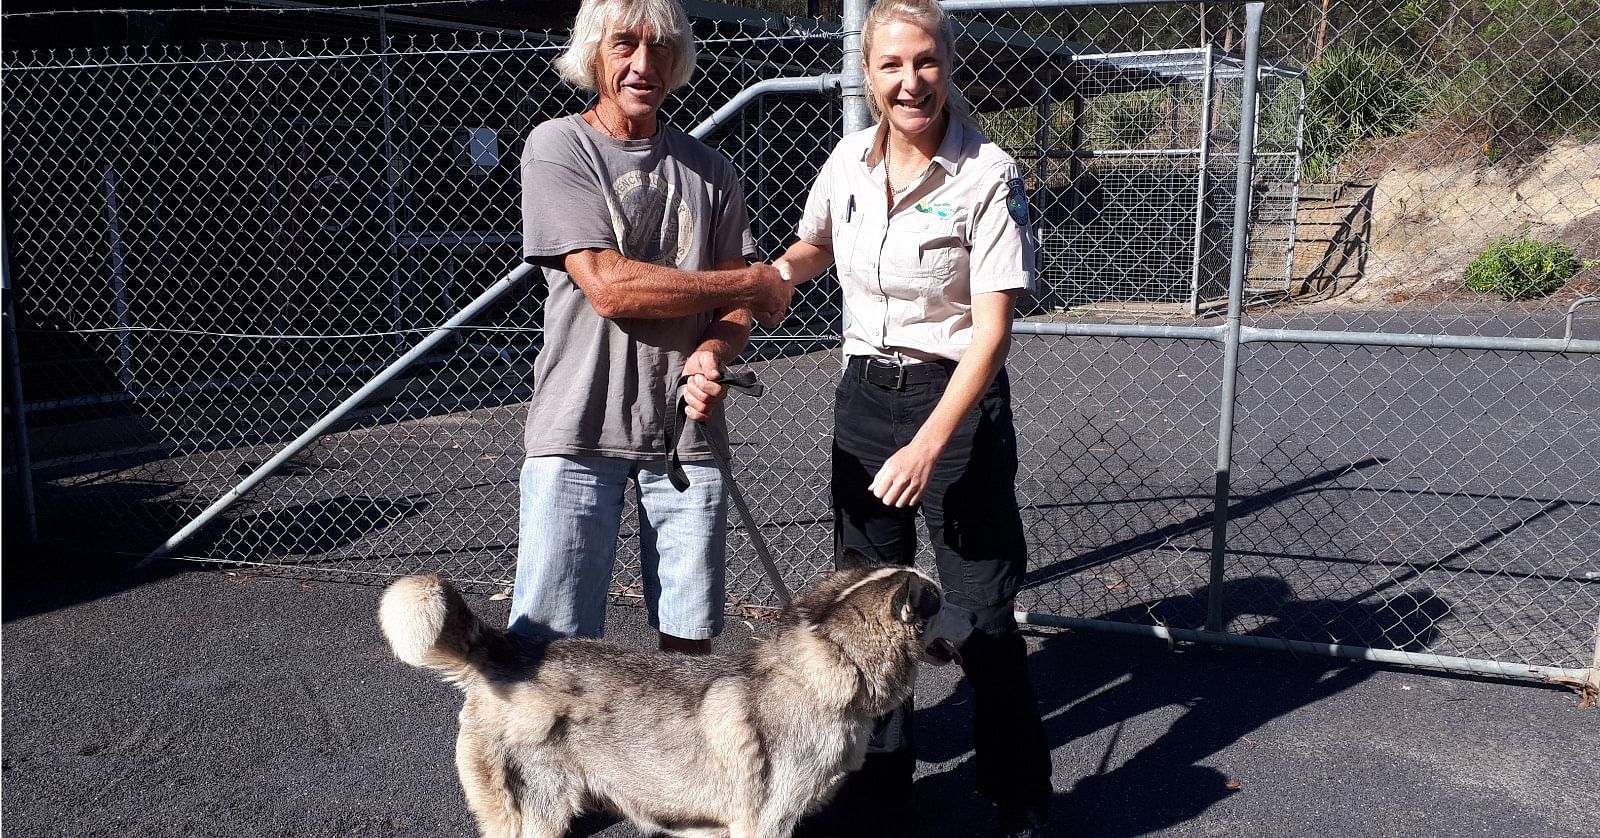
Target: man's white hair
x=598 y=19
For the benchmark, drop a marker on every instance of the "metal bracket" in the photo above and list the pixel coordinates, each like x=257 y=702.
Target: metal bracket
x=1574 y=307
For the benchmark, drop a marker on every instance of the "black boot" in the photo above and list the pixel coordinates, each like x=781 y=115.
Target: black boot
x=1021 y=822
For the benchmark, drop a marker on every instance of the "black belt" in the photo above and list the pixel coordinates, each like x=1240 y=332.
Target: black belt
x=892 y=376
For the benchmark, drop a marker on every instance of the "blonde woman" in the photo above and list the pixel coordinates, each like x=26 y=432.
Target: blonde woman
x=927 y=223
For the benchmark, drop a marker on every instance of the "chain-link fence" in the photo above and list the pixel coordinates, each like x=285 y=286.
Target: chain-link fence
x=212 y=250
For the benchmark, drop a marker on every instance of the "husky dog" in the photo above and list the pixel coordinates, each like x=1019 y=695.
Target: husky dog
x=735 y=747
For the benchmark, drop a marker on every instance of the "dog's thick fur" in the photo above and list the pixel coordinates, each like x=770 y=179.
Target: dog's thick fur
x=740 y=746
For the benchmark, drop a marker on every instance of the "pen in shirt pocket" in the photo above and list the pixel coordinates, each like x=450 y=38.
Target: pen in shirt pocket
x=850 y=209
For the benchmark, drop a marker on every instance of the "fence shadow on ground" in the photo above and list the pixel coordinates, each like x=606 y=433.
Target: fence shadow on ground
x=310 y=529
x=1091 y=683
x=100 y=557
x=1156 y=538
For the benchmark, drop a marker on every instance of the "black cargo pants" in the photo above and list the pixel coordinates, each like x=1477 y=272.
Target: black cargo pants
x=970 y=509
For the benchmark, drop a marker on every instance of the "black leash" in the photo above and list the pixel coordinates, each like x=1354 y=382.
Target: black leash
x=678 y=419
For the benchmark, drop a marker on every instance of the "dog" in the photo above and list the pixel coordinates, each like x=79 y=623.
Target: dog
x=741 y=746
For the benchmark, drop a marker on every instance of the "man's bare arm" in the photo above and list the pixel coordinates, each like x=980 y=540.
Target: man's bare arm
x=620 y=287
x=720 y=343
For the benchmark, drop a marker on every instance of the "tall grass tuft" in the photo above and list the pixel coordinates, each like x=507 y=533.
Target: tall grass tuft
x=1354 y=95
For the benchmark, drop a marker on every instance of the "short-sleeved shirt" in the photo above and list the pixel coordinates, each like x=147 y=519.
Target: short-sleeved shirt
x=601 y=385
x=909 y=276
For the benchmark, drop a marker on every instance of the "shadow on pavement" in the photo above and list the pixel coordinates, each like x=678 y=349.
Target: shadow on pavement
x=81 y=557
x=1241 y=508
x=1088 y=683
x=42 y=579
x=96 y=560
x=307 y=529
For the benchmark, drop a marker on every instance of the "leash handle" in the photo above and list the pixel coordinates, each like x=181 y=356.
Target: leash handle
x=720 y=451
x=678 y=419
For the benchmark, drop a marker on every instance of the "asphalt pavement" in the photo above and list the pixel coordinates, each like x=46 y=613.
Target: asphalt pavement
x=206 y=703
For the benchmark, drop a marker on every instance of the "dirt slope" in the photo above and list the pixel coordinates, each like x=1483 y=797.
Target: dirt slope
x=1433 y=213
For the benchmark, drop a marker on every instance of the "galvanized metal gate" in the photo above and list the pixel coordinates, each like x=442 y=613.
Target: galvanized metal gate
x=273 y=263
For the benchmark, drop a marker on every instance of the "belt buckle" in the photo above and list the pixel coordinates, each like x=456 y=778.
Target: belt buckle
x=899 y=373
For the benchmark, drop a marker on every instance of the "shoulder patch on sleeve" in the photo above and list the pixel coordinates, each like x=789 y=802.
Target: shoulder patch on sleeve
x=1017 y=201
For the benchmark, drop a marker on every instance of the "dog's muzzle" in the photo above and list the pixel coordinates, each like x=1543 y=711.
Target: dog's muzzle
x=942 y=639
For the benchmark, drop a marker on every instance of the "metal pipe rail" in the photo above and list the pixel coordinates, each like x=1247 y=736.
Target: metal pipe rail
x=1091 y=153
x=958 y=6
x=1581 y=301
x=1571 y=677
x=1250 y=334
x=824 y=83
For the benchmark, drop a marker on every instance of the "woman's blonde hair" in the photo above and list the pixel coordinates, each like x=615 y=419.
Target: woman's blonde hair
x=600 y=18
x=931 y=17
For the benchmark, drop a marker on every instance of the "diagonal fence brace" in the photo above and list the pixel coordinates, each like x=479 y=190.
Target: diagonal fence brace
x=821 y=84
x=462 y=318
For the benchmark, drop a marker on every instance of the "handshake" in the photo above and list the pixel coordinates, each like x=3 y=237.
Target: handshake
x=771 y=287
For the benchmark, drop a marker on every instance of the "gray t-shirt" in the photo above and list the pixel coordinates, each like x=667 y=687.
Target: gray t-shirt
x=601 y=386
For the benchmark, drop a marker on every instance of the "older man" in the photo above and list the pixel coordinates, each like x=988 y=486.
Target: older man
x=645 y=243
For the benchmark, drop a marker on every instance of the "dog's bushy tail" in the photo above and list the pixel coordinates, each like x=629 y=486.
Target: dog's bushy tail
x=429 y=624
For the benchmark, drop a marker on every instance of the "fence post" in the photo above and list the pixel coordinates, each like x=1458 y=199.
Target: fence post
x=1202 y=191
x=1594 y=665
x=1236 y=275
x=19 y=407
x=854 y=89
x=1294 y=197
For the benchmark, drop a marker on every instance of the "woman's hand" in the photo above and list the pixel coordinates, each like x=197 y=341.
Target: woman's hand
x=904 y=476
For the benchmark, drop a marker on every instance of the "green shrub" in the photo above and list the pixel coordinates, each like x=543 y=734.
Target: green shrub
x=1540 y=103
x=1520 y=68
x=1522 y=268
x=1354 y=95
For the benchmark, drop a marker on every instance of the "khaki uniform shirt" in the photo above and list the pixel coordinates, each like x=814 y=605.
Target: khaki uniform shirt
x=909 y=276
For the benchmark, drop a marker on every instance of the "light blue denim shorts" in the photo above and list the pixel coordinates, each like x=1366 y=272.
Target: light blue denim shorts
x=569 y=518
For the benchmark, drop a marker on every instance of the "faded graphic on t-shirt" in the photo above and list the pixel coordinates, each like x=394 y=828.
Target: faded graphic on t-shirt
x=601 y=385
x=652 y=222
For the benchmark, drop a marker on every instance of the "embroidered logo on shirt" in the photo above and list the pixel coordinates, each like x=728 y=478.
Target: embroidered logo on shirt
x=1017 y=201
x=940 y=208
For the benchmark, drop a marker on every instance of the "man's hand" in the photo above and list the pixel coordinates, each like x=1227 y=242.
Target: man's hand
x=770 y=299
x=702 y=393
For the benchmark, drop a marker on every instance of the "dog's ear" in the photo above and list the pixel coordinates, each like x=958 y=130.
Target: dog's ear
x=852 y=559
x=916 y=600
